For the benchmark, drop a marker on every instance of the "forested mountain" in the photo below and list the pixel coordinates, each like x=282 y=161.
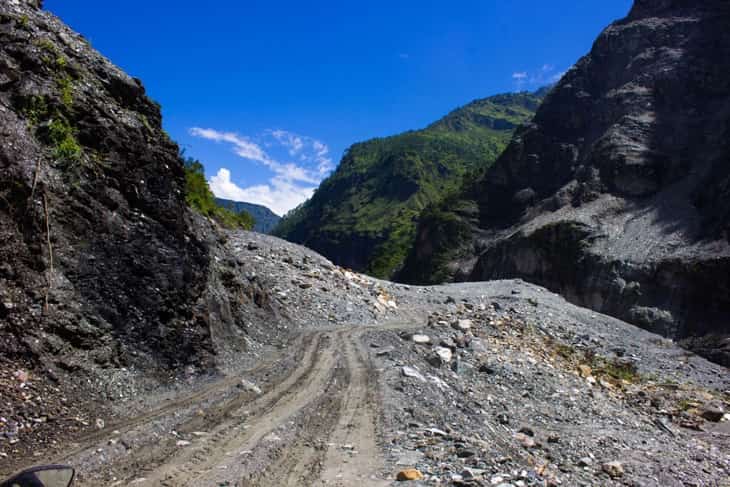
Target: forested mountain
x=264 y=219
x=364 y=215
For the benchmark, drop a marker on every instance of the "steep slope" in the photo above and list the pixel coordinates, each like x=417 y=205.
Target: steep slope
x=363 y=216
x=617 y=195
x=265 y=219
x=108 y=282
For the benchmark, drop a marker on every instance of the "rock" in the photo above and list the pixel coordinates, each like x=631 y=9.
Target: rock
x=502 y=418
x=713 y=413
x=472 y=474
x=585 y=371
x=487 y=369
x=99 y=423
x=445 y=354
x=462 y=325
x=409 y=474
x=421 y=339
x=250 y=386
x=613 y=469
x=182 y=443
x=21 y=375
x=585 y=462
x=413 y=373
x=466 y=453
x=384 y=351
x=597 y=144
x=436 y=432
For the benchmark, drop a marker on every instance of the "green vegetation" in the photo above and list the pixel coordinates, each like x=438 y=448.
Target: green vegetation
x=199 y=197
x=371 y=204
x=35 y=109
x=63 y=138
x=65 y=90
x=265 y=219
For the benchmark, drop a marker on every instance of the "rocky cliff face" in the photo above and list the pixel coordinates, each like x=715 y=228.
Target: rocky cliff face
x=109 y=283
x=618 y=193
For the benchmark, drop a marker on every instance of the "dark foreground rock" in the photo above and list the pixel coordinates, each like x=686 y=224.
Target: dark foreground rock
x=617 y=195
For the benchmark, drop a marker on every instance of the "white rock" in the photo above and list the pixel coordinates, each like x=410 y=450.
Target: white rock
x=421 y=339
x=463 y=325
x=436 y=432
x=182 y=443
x=250 y=386
x=411 y=372
x=445 y=354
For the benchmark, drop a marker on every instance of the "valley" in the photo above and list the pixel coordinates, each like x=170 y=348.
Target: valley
x=556 y=311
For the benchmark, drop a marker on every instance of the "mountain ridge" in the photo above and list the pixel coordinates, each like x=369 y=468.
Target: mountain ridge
x=363 y=215
x=265 y=220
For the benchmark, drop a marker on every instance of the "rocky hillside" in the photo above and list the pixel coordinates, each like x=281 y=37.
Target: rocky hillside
x=107 y=280
x=363 y=216
x=617 y=195
x=265 y=219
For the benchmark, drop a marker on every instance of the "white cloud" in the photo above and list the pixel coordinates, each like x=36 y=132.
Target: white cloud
x=243 y=147
x=537 y=78
x=290 y=185
x=279 y=195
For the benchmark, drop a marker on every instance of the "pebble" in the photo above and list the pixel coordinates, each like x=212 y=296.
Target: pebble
x=613 y=469
x=421 y=339
x=411 y=372
x=409 y=474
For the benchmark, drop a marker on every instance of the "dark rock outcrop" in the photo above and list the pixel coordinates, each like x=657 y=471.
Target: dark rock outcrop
x=617 y=195
x=97 y=252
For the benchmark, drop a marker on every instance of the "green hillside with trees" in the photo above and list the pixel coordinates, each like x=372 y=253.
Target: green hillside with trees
x=364 y=215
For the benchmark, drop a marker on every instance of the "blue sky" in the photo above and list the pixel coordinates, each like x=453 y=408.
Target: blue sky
x=268 y=95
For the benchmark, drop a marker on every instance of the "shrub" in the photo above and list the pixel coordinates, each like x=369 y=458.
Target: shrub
x=199 y=197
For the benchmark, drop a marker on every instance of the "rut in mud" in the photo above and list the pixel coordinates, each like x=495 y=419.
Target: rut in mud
x=314 y=424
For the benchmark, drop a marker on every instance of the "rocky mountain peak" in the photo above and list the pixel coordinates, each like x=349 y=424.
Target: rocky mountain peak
x=617 y=193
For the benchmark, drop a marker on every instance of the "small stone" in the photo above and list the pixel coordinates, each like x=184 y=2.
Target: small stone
x=462 y=325
x=99 y=424
x=384 y=351
x=585 y=462
x=527 y=430
x=471 y=474
x=712 y=413
x=409 y=474
x=182 y=443
x=487 y=369
x=444 y=354
x=613 y=469
x=421 y=339
x=466 y=453
x=21 y=375
x=585 y=371
x=250 y=386
x=413 y=373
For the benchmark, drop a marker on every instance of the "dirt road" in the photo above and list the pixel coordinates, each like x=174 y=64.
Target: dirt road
x=314 y=422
